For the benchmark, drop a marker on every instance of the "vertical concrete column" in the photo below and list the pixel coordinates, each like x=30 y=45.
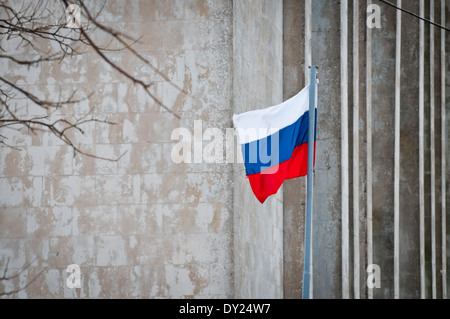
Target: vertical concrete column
x=359 y=200
x=356 y=162
x=369 y=181
x=438 y=149
x=432 y=155
x=294 y=20
x=327 y=238
x=447 y=146
x=344 y=153
x=308 y=44
x=422 y=148
x=409 y=197
x=383 y=85
x=257 y=83
x=443 y=157
x=398 y=56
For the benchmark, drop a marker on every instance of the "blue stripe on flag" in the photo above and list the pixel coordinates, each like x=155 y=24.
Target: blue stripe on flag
x=258 y=154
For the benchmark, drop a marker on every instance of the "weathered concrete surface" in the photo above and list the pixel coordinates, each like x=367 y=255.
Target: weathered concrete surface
x=141 y=227
x=446 y=196
x=147 y=227
x=327 y=195
x=438 y=148
x=447 y=132
x=327 y=209
x=383 y=60
x=293 y=190
x=409 y=156
x=257 y=83
x=362 y=151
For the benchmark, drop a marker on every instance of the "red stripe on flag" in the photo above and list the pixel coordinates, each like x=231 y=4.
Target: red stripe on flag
x=268 y=182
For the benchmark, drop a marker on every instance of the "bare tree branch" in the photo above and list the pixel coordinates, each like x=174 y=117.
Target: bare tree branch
x=28 y=23
x=17 y=274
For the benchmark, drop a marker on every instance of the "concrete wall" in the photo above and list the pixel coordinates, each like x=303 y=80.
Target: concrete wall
x=328 y=244
x=383 y=80
x=409 y=188
x=142 y=226
x=257 y=83
x=446 y=196
x=447 y=133
x=147 y=227
x=327 y=195
x=293 y=190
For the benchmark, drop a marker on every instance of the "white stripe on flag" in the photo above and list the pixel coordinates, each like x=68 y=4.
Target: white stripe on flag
x=259 y=124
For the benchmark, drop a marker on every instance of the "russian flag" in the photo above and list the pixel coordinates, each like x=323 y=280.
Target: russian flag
x=275 y=143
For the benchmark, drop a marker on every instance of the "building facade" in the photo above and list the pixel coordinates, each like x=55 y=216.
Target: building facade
x=145 y=226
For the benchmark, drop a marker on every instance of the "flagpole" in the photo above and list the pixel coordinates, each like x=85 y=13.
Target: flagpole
x=309 y=197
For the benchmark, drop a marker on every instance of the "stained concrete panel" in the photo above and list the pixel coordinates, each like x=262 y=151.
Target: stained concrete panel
x=327 y=188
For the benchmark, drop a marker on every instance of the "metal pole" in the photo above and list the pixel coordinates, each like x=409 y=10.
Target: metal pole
x=309 y=198
x=308 y=62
